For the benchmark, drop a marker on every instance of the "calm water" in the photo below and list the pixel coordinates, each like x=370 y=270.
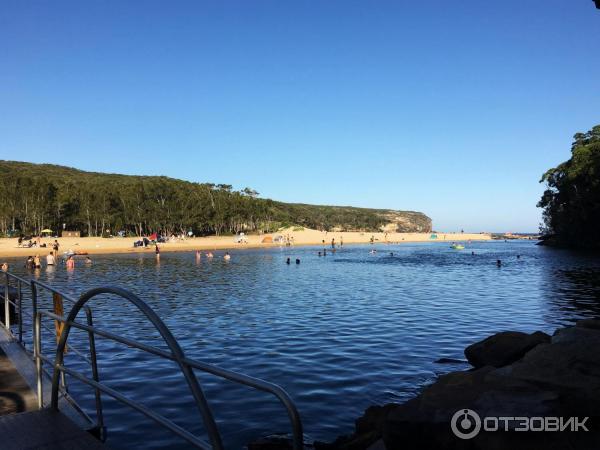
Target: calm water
x=339 y=333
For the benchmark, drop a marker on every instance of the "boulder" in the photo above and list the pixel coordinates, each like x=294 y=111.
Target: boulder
x=592 y=324
x=503 y=348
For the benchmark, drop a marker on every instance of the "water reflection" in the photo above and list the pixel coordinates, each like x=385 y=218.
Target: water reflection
x=339 y=332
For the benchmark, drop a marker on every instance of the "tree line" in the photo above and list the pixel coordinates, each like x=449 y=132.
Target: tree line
x=571 y=201
x=43 y=196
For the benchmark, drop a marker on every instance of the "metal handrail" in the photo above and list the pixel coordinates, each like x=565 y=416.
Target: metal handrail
x=174 y=353
x=37 y=342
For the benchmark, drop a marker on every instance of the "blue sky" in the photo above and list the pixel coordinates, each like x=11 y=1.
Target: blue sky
x=450 y=108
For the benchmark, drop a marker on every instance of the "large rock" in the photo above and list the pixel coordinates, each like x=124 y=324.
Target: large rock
x=531 y=375
x=503 y=348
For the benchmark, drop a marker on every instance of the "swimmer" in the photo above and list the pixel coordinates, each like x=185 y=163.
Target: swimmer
x=88 y=260
x=391 y=253
x=70 y=262
x=319 y=254
x=198 y=254
x=5 y=267
x=37 y=263
x=50 y=260
x=287 y=261
x=518 y=256
x=498 y=263
x=157 y=251
x=209 y=255
x=297 y=261
x=227 y=257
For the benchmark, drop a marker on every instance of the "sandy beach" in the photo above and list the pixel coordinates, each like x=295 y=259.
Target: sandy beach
x=97 y=245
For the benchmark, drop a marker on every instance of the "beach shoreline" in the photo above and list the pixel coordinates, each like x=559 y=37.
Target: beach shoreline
x=306 y=237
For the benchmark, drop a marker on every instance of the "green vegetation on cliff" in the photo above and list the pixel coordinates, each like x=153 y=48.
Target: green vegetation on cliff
x=38 y=196
x=572 y=201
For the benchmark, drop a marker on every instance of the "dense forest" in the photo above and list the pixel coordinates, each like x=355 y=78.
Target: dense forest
x=571 y=201
x=40 y=196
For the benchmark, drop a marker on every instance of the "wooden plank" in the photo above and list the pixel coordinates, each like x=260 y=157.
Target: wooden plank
x=45 y=429
x=15 y=394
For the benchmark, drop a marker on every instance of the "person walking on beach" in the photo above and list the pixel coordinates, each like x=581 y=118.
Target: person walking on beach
x=50 y=261
x=55 y=247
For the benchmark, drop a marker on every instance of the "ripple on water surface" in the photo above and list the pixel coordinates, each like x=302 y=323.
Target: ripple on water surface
x=339 y=332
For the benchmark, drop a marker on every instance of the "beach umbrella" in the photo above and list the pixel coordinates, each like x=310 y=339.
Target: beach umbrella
x=46 y=231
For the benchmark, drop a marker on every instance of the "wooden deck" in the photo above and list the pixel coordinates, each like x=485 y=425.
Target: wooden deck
x=44 y=430
x=15 y=394
x=24 y=427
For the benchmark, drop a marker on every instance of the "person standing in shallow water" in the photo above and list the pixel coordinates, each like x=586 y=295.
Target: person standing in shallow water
x=157 y=251
x=70 y=262
x=332 y=242
x=50 y=261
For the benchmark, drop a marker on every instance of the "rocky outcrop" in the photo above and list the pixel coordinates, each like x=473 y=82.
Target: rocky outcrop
x=503 y=348
x=405 y=222
x=515 y=375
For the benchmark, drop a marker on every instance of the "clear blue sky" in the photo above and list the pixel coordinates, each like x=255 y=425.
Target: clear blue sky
x=450 y=108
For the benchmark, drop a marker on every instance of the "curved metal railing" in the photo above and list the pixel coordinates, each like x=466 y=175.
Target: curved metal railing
x=174 y=353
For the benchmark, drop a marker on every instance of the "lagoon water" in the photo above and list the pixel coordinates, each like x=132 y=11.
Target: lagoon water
x=339 y=333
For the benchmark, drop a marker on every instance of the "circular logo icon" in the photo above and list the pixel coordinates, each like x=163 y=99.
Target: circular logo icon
x=465 y=424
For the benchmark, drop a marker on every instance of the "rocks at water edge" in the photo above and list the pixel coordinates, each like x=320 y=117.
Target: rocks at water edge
x=503 y=348
x=514 y=375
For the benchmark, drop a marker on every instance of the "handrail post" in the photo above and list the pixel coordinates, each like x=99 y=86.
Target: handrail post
x=6 y=303
x=20 y=300
x=37 y=345
x=95 y=376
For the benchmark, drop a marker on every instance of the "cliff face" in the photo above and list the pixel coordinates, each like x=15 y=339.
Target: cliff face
x=351 y=218
x=406 y=222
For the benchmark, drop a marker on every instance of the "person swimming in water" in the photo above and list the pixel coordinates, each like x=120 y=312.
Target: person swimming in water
x=227 y=257
x=209 y=254
x=287 y=261
x=88 y=260
x=37 y=262
x=70 y=262
x=297 y=261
